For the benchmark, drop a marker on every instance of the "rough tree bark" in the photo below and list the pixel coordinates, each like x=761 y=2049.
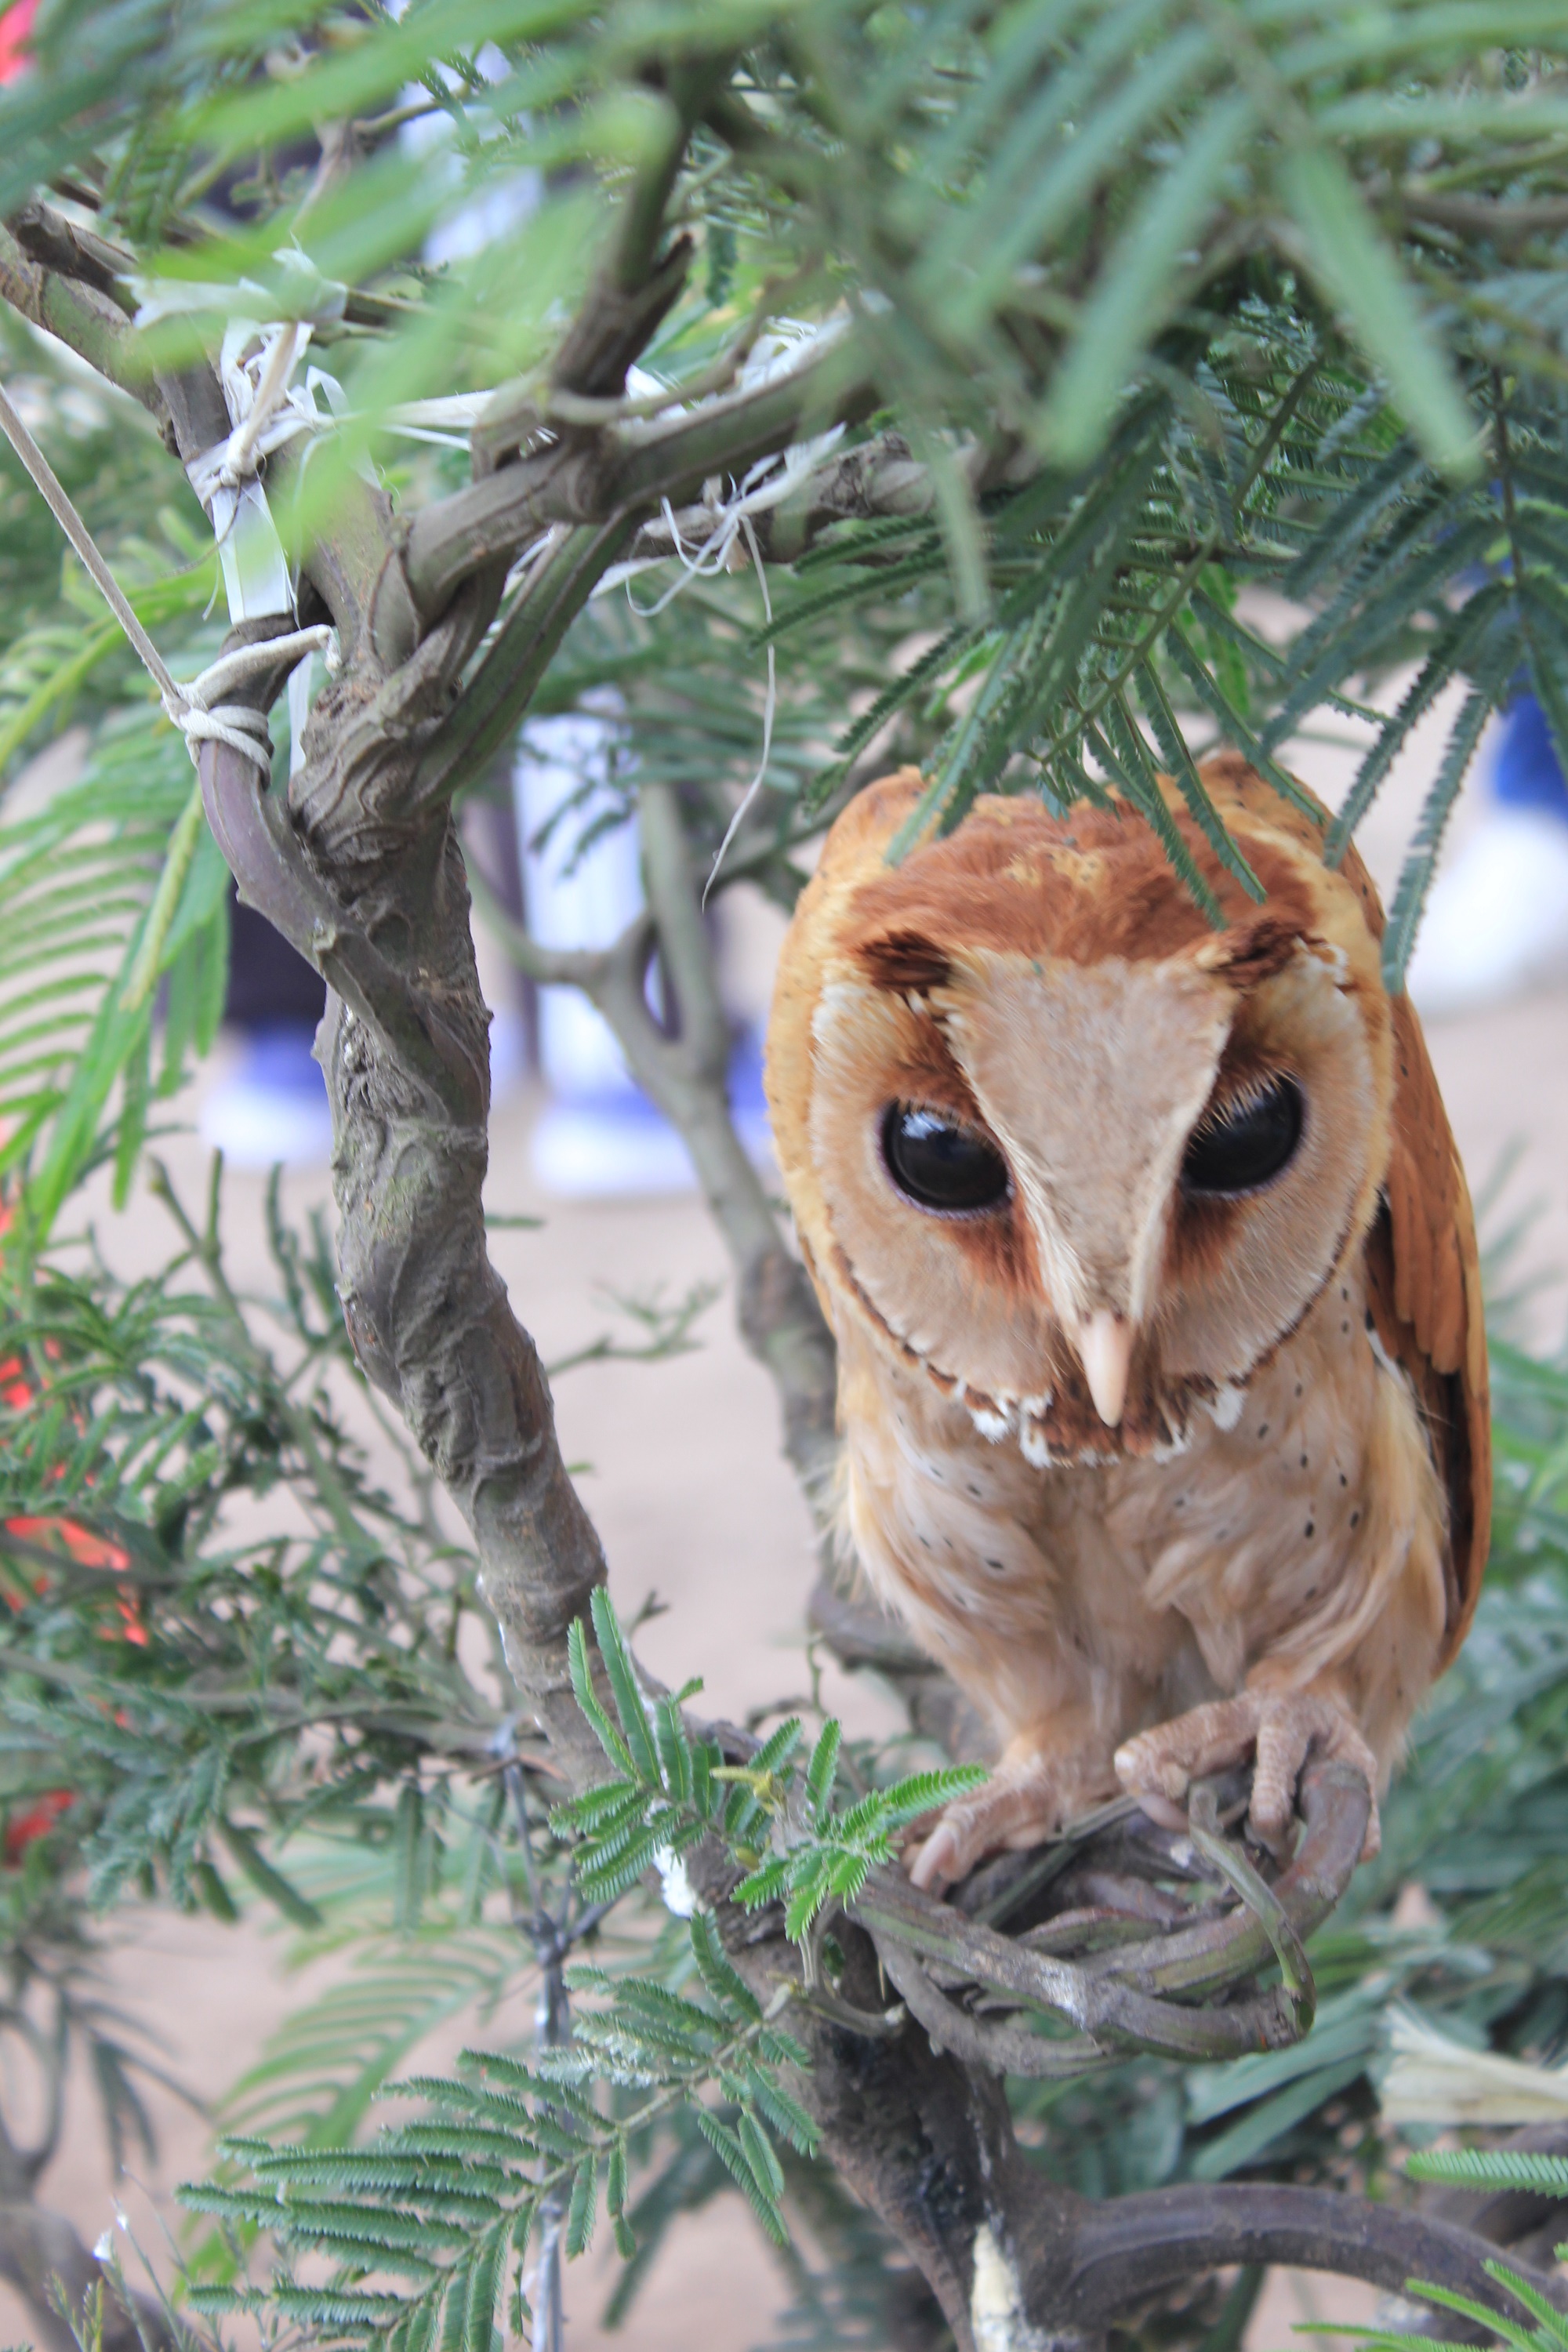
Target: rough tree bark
x=358 y=863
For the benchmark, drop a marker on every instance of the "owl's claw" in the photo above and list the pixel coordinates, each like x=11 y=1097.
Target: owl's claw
x=1278 y=1728
x=1029 y=1795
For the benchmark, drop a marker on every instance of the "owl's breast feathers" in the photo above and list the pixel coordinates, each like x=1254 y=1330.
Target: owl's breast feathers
x=1050 y=983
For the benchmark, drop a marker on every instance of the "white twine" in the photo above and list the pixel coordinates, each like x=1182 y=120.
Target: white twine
x=196 y=707
x=769 y=703
x=202 y=719
x=765 y=485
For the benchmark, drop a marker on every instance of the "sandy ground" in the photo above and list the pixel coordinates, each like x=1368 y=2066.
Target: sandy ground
x=687 y=1485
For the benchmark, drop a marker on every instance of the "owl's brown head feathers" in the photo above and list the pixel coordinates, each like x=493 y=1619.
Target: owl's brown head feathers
x=1055 y=1143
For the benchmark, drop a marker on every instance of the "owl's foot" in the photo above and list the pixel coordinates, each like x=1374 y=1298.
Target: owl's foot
x=1029 y=1795
x=1278 y=1728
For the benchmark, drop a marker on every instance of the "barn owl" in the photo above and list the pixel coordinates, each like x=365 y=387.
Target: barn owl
x=1152 y=1272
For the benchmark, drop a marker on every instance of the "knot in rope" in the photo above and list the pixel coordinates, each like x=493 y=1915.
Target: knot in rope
x=198 y=710
x=234 y=723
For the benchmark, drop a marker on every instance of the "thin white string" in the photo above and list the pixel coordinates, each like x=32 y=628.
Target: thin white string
x=755 y=786
x=196 y=707
x=712 y=557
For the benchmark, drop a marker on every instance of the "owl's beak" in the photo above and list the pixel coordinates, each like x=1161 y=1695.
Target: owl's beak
x=1105 y=1351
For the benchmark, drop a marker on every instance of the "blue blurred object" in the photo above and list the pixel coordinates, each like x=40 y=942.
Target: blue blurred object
x=598 y=1136
x=1527 y=773
x=273 y=1106
x=1497 y=922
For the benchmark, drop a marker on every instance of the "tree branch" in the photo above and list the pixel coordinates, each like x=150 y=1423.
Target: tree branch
x=496 y=697
x=85 y=321
x=56 y=244
x=40 y=2250
x=586 y=477
x=1142 y=1995
x=686 y=1076
x=636 y=288
x=1485 y=218
x=684 y=950
x=583 y=968
x=877 y=479
x=1127 y=2248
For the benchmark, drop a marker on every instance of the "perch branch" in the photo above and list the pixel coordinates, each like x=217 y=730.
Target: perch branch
x=1130 y=1996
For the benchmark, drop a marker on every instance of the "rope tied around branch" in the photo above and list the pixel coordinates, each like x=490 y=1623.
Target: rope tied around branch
x=197 y=707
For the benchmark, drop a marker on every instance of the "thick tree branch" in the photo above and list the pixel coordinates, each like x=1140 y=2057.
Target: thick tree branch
x=1129 y=2249
x=85 y=321
x=586 y=478
x=56 y=244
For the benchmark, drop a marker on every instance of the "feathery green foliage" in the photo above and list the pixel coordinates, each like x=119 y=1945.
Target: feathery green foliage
x=449 y=2202
x=671 y=1790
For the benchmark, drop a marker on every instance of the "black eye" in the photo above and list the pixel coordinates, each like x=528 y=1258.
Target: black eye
x=1240 y=1147
x=941 y=1165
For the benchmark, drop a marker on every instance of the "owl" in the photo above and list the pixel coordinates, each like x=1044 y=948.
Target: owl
x=1152 y=1267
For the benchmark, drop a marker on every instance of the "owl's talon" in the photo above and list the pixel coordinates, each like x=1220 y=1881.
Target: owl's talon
x=1278 y=1729
x=937 y=1861
x=1029 y=1795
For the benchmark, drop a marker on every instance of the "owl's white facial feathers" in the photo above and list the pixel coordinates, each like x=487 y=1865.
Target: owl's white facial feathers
x=1091 y=1077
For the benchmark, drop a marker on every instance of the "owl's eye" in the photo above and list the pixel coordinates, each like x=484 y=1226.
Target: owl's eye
x=1242 y=1146
x=940 y=1165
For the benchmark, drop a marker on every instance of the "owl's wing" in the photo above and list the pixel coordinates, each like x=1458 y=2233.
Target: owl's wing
x=1425 y=1281
x=1423 y=1268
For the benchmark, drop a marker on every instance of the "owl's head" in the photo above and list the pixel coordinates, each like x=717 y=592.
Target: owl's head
x=1053 y=1140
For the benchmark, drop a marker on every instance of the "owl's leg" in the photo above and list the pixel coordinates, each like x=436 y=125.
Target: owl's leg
x=1278 y=1728
x=1031 y=1791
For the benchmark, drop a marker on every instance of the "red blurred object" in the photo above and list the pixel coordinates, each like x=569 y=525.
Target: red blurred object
x=56 y=1535
x=87 y=1549
x=16 y=24
x=36 y=1822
